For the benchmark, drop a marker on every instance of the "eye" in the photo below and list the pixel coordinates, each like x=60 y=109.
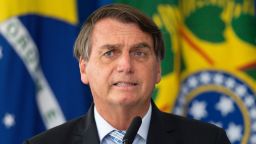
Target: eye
x=139 y=53
x=109 y=53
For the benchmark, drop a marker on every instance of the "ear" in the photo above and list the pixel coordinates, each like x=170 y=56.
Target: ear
x=83 y=73
x=159 y=72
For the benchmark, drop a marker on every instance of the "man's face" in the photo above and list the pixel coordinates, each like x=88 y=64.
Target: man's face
x=122 y=68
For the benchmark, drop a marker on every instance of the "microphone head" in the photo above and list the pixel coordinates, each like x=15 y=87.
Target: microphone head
x=132 y=130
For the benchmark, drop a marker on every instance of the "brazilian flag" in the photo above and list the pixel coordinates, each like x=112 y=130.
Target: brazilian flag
x=39 y=77
x=209 y=71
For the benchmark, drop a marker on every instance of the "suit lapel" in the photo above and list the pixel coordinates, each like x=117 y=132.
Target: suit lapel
x=161 y=130
x=91 y=133
x=86 y=130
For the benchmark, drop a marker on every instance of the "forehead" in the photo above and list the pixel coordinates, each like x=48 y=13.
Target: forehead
x=112 y=30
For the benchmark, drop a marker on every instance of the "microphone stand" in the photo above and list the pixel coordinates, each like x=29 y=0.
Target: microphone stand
x=132 y=130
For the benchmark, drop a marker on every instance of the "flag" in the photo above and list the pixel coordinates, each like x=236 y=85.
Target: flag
x=165 y=13
x=218 y=65
x=40 y=84
x=209 y=71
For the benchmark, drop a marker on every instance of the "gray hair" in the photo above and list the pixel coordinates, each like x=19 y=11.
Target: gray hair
x=124 y=14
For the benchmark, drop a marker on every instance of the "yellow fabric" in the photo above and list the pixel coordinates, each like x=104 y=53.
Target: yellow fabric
x=60 y=9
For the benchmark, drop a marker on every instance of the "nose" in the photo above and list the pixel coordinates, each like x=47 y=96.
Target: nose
x=125 y=63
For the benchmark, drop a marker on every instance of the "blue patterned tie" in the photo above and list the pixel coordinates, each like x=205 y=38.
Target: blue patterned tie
x=117 y=136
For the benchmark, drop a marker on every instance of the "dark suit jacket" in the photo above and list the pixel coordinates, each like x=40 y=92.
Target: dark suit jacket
x=164 y=129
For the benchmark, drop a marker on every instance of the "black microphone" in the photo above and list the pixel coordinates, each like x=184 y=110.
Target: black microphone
x=132 y=130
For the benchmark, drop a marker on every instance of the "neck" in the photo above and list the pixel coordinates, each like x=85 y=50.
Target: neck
x=120 y=117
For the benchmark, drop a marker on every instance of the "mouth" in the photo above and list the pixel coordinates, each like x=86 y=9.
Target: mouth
x=125 y=84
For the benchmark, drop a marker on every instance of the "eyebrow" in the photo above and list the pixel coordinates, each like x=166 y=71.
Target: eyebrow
x=141 y=45
x=110 y=46
x=135 y=46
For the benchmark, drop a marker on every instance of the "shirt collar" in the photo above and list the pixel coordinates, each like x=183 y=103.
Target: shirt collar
x=104 y=127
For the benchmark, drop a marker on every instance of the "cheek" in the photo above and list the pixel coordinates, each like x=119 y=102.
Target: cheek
x=98 y=76
x=150 y=75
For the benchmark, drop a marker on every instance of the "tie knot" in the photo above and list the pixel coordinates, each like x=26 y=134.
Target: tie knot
x=117 y=136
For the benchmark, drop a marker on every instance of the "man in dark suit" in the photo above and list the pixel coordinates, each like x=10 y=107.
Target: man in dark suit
x=119 y=52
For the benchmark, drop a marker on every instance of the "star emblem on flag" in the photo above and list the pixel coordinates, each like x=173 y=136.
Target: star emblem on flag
x=198 y=109
x=225 y=105
x=234 y=132
x=9 y=120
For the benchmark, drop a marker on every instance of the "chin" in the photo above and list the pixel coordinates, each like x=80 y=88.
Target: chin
x=126 y=100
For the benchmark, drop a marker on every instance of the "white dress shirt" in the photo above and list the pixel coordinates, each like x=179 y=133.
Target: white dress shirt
x=104 y=128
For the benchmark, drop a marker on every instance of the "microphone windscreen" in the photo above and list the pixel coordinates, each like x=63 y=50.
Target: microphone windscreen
x=132 y=130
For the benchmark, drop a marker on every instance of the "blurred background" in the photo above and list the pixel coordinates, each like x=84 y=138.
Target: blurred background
x=209 y=70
